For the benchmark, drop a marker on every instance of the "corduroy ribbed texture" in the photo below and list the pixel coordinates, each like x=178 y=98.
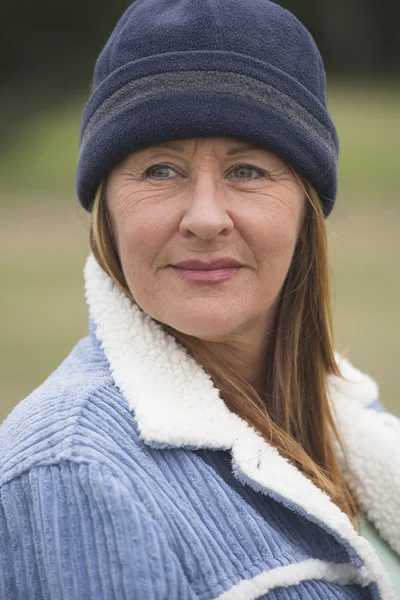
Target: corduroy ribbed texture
x=89 y=511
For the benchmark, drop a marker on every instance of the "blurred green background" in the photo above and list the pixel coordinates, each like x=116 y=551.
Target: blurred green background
x=43 y=231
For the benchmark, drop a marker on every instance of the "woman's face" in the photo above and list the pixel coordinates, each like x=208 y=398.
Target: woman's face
x=206 y=200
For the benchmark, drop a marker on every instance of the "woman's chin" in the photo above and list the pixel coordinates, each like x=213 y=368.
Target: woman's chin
x=207 y=325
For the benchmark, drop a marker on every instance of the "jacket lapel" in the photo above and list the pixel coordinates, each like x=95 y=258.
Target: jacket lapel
x=176 y=405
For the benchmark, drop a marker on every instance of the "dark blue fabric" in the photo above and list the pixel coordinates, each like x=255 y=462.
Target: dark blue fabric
x=256 y=38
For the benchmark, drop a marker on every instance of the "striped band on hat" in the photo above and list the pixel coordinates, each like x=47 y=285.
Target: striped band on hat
x=212 y=81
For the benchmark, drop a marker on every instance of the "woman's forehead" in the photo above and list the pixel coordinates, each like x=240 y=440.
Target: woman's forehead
x=224 y=145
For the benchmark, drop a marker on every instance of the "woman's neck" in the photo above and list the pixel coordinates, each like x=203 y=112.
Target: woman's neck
x=246 y=354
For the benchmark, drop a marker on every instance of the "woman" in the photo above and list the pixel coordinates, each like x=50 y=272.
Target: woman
x=204 y=441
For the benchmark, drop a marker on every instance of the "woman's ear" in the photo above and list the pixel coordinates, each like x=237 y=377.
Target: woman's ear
x=302 y=236
x=304 y=218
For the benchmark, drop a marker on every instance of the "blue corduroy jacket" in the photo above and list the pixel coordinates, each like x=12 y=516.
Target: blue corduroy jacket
x=124 y=476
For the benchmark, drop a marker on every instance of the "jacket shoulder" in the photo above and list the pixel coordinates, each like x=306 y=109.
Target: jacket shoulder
x=354 y=385
x=354 y=390
x=75 y=414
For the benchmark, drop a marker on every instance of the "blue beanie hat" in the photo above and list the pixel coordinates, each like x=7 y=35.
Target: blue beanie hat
x=175 y=69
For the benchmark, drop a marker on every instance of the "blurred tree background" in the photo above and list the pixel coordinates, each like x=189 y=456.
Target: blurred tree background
x=47 y=55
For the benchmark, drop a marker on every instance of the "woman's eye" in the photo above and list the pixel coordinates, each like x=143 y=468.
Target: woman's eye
x=244 y=172
x=159 y=171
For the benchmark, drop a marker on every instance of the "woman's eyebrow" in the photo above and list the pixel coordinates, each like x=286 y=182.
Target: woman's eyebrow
x=169 y=145
x=232 y=151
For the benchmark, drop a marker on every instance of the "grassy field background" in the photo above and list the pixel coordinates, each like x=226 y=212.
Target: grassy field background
x=43 y=243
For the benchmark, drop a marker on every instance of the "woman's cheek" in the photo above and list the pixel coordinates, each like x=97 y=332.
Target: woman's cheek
x=276 y=236
x=276 y=256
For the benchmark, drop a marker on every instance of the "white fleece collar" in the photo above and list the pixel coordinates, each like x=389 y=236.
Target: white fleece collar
x=176 y=405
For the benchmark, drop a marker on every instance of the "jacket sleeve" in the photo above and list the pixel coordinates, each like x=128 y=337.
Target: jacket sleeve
x=73 y=531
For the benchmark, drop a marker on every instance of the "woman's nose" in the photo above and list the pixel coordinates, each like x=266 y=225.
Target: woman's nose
x=206 y=212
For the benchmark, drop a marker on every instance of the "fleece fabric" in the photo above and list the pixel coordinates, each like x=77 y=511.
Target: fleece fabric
x=124 y=476
x=176 y=69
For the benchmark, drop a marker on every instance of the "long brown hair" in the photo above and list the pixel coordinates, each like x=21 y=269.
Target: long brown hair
x=293 y=413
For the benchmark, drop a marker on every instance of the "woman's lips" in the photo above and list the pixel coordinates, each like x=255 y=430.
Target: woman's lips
x=224 y=262
x=207 y=276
